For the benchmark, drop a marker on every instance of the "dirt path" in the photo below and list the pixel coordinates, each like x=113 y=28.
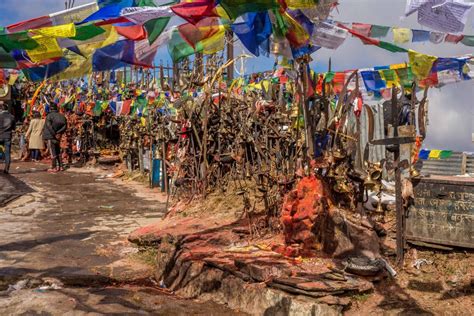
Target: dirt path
x=63 y=247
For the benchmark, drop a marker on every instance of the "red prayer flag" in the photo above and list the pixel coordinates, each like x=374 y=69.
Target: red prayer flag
x=452 y=38
x=193 y=34
x=42 y=21
x=339 y=81
x=361 y=28
x=135 y=32
x=127 y=104
x=193 y=12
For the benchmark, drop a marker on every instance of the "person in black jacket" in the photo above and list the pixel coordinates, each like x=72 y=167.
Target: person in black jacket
x=7 y=126
x=54 y=127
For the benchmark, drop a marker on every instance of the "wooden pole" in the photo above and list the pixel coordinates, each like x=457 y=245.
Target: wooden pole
x=398 y=185
x=304 y=99
x=230 y=54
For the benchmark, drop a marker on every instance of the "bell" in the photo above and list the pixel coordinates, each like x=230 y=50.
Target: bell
x=376 y=174
x=379 y=207
x=369 y=182
x=413 y=172
x=331 y=173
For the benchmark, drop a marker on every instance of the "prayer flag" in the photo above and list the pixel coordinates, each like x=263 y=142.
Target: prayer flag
x=434 y=154
x=328 y=35
x=236 y=8
x=448 y=17
x=401 y=35
x=421 y=64
x=195 y=11
x=445 y=154
x=255 y=32
x=86 y=32
x=378 y=31
x=373 y=81
x=19 y=40
x=436 y=37
x=141 y=15
x=135 y=32
x=452 y=38
x=468 y=40
x=48 y=48
x=35 y=23
x=155 y=28
x=66 y=30
x=362 y=28
x=420 y=36
x=424 y=154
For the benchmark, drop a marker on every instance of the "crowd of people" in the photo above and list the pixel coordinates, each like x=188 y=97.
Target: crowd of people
x=41 y=134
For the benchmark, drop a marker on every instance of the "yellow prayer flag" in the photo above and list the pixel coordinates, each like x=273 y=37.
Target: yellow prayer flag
x=65 y=30
x=266 y=84
x=398 y=66
x=434 y=154
x=12 y=79
x=421 y=64
x=48 y=48
x=215 y=43
x=300 y=4
x=401 y=35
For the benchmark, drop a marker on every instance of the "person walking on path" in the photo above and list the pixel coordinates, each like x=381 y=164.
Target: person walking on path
x=35 y=136
x=54 y=127
x=7 y=126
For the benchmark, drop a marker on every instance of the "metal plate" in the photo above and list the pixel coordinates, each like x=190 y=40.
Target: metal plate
x=443 y=212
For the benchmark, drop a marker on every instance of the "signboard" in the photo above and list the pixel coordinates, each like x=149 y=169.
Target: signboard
x=443 y=212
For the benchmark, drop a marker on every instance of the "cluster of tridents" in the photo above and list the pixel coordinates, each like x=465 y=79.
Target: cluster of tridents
x=257 y=144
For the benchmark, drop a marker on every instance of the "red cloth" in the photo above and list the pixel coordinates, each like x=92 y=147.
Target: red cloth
x=42 y=21
x=193 y=34
x=127 y=104
x=134 y=33
x=361 y=28
x=195 y=11
x=452 y=38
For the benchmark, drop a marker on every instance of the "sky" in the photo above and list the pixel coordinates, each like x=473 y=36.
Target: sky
x=451 y=110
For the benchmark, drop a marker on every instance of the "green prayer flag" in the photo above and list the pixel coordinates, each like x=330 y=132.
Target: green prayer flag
x=389 y=75
x=146 y=3
x=329 y=77
x=280 y=25
x=178 y=48
x=19 y=40
x=468 y=40
x=406 y=77
x=391 y=47
x=236 y=8
x=98 y=108
x=6 y=60
x=86 y=32
x=445 y=154
x=378 y=31
x=155 y=27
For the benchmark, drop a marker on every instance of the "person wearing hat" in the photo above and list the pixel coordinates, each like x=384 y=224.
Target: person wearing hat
x=54 y=127
x=7 y=126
